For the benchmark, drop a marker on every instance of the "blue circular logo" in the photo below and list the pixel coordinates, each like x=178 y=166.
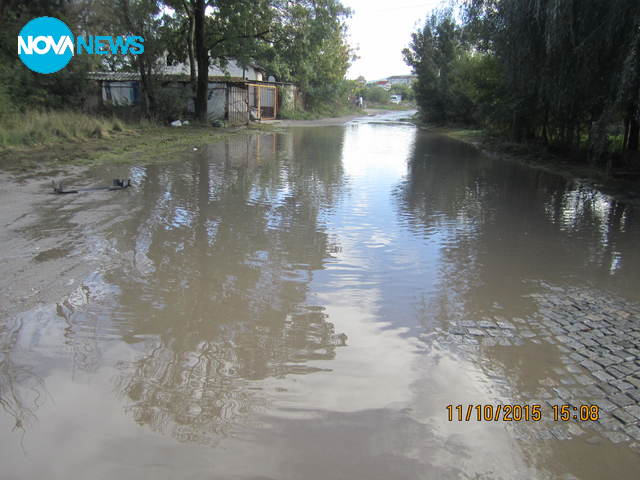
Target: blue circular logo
x=45 y=45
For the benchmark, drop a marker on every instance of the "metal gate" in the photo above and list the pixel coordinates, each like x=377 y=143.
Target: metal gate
x=263 y=101
x=237 y=104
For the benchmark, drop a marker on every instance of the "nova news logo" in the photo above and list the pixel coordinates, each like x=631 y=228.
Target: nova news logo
x=46 y=45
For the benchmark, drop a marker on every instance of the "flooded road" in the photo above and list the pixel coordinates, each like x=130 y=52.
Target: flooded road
x=306 y=304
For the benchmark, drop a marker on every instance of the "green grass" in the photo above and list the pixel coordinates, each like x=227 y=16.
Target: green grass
x=35 y=128
x=132 y=143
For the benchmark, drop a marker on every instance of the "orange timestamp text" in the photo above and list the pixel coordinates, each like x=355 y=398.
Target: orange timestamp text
x=520 y=413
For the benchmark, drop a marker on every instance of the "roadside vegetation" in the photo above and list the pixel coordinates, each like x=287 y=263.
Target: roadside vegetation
x=33 y=128
x=558 y=77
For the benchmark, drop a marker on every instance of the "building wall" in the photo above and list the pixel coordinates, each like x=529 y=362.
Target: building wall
x=121 y=93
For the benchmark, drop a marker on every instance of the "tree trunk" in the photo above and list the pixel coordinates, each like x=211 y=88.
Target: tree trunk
x=142 y=62
x=192 y=57
x=634 y=133
x=202 y=55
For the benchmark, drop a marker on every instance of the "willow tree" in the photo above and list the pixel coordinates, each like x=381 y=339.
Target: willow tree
x=571 y=68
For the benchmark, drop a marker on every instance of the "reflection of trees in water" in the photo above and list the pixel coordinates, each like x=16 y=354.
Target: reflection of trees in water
x=21 y=390
x=500 y=224
x=224 y=247
x=81 y=331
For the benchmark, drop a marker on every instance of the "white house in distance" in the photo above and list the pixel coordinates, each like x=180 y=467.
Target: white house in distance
x=388 y=82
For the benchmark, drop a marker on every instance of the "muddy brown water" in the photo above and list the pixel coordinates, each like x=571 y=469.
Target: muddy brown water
x=281 y=306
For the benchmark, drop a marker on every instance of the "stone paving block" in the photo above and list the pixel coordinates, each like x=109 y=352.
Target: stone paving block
x=560 y=432
x=587 y=342
x=574 y=368
x=557 y=330
x=476 y=331
x=609 y=389
x=624 y=416
x=555 y=402
x=622 y=385
x=614 y=348
x=633 y=431
x=633 y=410
x=623 y=369
x=574 y=345
x=605 y=405
x=602 y=376
x=577 y=356
x=621 y=400
x=457 y=330
x=563 y=393
x=615 y=373
x=576 y=327
x=504 y=324
x=574 y=429
x=568 y=381
x=486 y=324
x=594 y=391
x=584 y=380
x=626 y=356
x=590 y=353
x=609 y=423
x=633 y=351
x=604 y=361
x=591 y=366
x=634 y=394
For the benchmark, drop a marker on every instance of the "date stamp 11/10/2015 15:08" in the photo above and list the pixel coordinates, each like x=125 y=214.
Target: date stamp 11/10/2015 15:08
x=520 y=413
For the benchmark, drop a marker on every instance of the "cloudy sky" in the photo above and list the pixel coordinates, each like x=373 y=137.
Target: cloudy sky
x=380 y=29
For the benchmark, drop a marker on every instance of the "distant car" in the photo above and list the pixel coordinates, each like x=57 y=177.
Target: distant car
x=396 y=98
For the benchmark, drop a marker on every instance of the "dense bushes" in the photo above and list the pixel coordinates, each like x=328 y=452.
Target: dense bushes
x=563 y=74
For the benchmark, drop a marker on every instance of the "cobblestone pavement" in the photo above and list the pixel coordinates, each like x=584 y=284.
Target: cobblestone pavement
x=598 y=337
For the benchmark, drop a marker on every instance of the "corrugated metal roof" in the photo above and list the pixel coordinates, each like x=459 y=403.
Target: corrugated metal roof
x=177 y=77
x=114 y=76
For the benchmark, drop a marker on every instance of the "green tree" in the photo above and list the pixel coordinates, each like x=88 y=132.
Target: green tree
x=309 y=48
x=376 y=94
x=432 y=53
x=406 y=91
